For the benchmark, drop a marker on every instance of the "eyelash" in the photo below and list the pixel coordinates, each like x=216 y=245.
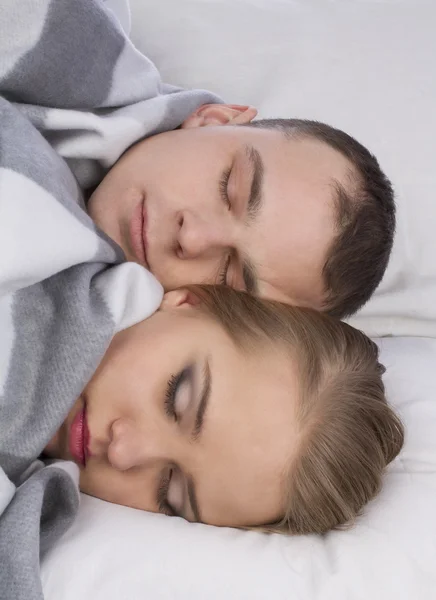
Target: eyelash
x=170 y=394
x=222 y=277
x=162 y=494
x=170 y=403
x=223 y=186
x=174 y=382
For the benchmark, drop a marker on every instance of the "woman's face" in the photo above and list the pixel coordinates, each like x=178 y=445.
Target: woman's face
x=183 y=422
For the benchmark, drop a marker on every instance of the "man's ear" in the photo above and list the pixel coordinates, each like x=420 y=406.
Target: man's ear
x=219 y=114
x=181 y=298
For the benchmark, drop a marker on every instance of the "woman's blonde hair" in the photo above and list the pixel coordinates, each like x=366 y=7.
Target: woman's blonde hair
x=349 y=433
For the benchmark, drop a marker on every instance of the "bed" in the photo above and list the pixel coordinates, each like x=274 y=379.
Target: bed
x=368 y=67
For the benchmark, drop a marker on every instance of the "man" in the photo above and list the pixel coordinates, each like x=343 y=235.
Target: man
x=290 y=209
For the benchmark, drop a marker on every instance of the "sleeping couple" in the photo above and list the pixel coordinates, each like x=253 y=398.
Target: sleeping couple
x=227 y=406
x=242 y=400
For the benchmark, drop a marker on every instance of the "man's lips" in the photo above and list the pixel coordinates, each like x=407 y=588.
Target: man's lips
x=79 y=438
x=138 y=233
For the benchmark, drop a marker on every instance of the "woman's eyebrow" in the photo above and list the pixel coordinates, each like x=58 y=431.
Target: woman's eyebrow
x=196 y=432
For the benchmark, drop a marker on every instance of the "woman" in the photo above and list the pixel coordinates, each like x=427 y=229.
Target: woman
x=232 y=410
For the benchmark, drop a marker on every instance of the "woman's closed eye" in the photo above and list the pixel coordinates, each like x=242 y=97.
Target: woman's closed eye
x=177 y=395
x=162 y=494
x=176 y=403
x=170 y=493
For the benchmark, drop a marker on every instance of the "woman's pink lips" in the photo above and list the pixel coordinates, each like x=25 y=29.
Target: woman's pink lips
x=79 y=438
x=144 y=231
x=138 y=235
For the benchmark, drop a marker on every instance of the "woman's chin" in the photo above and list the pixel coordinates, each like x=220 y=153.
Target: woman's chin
x=52 y=449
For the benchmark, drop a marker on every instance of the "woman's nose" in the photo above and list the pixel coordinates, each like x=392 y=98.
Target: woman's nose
x=132 y=445
x=135 y=444
x=200 y=237
x=124 y=451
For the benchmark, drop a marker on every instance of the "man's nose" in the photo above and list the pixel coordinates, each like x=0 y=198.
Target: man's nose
x=201 y=237
x=130 y=446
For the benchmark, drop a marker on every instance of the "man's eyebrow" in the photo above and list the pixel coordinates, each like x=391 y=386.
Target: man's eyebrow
x=196 y=432
x=255 y=199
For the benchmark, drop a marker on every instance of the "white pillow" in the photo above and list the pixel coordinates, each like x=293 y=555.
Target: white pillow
x=112 y=552
x=367 y=67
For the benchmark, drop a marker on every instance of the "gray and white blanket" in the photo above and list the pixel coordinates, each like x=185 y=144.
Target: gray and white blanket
x=74 y=95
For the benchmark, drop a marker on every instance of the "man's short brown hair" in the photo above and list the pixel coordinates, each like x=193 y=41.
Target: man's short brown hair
x=359 y=254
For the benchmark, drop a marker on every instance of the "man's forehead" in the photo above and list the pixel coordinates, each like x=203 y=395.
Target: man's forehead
x=300 y=218
x=298 y=222
x=290 y=256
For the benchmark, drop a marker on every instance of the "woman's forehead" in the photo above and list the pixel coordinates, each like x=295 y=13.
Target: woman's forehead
x=249 y=440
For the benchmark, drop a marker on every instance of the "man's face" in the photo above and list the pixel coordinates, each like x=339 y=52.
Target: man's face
x=226 y=204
